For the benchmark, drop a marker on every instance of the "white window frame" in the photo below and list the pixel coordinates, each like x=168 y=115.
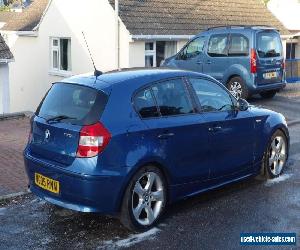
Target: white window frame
x=151 y=53
x=58 y=71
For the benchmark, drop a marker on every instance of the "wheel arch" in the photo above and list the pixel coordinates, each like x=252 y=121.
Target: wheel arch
x=165 y=172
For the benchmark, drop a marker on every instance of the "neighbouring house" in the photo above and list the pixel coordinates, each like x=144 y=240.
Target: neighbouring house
x=288 y=12
x=5 y=58
x=47 y=42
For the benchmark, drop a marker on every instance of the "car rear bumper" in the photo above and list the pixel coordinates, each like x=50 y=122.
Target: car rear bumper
x=79 y=192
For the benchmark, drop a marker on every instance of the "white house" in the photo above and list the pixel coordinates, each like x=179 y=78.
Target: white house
x=47 y=42
x=5 y=58
x=288 y=12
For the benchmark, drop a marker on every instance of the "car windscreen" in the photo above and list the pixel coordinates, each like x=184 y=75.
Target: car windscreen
x=268 y=44
x=71 y=103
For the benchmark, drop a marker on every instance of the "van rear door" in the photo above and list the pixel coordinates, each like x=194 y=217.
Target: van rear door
x=270 y=60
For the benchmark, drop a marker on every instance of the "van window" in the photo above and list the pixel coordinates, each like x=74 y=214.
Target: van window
x=82 y=105
x=211 y=96
x=193 y=49
x=239 y=45
x=217 y=46
x=145 y=104
x=172 y=98
x=268 y=44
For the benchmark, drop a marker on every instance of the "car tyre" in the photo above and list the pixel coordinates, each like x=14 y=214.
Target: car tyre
x=144 y=200
x=268 y=94
x=237 y=88
x=275 y=156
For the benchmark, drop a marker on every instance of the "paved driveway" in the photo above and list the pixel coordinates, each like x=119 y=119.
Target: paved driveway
x=13 y=137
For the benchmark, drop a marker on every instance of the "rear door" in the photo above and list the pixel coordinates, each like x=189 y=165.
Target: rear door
x=269 y=57
x=177 y=133
x=216 y=57
x=191 y=56
x=64 y=111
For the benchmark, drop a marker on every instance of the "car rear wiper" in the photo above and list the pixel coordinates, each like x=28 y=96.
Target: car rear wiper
x=59 y=118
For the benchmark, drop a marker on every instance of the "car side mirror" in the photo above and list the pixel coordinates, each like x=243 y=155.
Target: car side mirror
x=242 y=104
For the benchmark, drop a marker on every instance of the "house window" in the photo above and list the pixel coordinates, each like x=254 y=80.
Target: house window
x=61 y=54
x=157 y=51
x=290 y=50
x=150 y=52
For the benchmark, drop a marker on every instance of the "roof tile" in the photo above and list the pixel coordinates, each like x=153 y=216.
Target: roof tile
x=5 y=53
x=177 y=17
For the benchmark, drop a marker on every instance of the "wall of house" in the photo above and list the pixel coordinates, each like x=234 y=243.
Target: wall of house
x=4 y=95
x=297 y=49
x=137 y=54
x=31 y=77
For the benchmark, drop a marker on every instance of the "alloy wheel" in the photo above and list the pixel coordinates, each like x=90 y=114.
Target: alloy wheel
x=277 y=155
x=147 y=198
x=236 y=89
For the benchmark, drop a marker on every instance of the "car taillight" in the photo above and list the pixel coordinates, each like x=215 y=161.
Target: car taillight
x=253 y=61
x=93 y=139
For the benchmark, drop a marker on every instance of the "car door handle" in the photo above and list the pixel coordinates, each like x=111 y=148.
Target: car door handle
x=165 y=135
x=208 y=62
x=215 y=129
x=199 y=62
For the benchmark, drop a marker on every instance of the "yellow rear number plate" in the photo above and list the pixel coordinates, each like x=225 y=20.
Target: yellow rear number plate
x=46 y=183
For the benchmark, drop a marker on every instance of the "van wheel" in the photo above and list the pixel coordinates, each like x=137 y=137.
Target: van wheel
x=268 y=94
x=237 y=88
x=144 y=200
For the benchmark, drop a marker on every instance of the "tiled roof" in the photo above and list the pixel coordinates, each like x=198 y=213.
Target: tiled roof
x=5 y=53
x=178 y=17
x=26 y=20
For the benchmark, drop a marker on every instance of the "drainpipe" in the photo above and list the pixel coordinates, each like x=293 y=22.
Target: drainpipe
x=117 y=33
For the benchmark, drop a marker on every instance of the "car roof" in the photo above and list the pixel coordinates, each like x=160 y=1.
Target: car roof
x=139 y=77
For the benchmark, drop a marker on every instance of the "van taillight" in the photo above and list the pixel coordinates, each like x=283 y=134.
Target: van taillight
x=253 y=61
x=93 y=140
x=283 y=65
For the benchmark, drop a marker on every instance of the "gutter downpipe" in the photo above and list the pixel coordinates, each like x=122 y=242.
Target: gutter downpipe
x=117 y=34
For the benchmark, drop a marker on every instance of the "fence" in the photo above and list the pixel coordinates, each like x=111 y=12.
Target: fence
x=292 y=67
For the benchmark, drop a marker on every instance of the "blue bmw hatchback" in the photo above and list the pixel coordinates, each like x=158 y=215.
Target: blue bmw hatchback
x=129 y=143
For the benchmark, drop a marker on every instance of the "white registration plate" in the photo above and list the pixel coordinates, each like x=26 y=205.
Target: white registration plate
x=270 y=75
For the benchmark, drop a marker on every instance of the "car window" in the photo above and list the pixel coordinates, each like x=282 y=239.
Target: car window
x=211 y=96
x=239 y=45
x=268 y=44
x=172 y=98
x=83 y=105
x=145 y=104
x=193 y=49
x=217 y=46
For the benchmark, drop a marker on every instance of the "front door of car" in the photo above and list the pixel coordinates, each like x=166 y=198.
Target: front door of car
x=178 y=135
x=231 y=132
x=191 y=56
x=216 y=59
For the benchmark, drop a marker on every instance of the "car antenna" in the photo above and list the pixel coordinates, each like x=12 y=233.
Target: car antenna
x=96 y=71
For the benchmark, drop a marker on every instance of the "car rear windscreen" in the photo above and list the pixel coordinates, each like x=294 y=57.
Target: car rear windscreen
x=73 y=103
x=268 y=44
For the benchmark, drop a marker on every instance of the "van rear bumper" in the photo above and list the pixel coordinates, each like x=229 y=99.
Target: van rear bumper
x=266 y=87
x=80 y=192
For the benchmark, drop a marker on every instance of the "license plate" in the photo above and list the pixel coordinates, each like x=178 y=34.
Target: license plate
x=46 y=183
x=270 y=75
